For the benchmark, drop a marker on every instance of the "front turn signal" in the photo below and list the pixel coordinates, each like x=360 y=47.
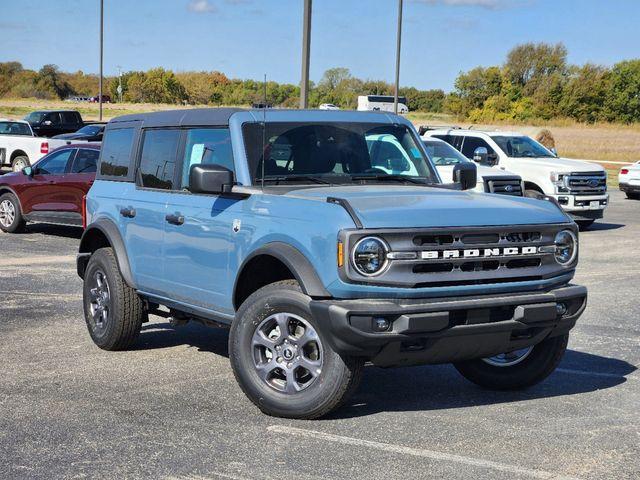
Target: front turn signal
x=340 y=254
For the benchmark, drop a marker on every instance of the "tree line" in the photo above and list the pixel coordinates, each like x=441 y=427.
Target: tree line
x=535 y=82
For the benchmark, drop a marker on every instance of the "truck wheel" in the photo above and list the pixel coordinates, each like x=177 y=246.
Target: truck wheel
x=533 y=194
x=11 y=219
x=282 y=360
x=584 y=224
x=633 y=195
x=19 y=163
x=518 y=369
x=113 y=310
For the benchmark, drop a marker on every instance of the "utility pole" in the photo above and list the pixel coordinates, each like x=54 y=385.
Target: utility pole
x=306 y=48
x=397 y=86
x=101 y=55
x=119 y=89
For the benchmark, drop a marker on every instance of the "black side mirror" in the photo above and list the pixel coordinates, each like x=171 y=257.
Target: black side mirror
x=210 y=179
x=480 y=155
x=28 y=171
x=466 y=175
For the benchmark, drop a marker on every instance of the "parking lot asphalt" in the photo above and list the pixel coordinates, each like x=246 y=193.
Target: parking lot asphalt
x=170 y=408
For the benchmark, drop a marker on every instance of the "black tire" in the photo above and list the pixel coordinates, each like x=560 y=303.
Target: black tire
x=533 y=194
x=10 y=204
x=584 y=224
x=338 y=377
x=119 y=329
x=538 y=365
x=633 y=195
x=19 y=162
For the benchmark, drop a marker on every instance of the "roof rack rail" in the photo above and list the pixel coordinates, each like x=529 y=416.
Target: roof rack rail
x=425 y=128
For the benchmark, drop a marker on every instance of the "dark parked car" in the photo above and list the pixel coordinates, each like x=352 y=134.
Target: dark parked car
x=91 y=133
x=47 y=123
x=96 y=99
x=50 y=191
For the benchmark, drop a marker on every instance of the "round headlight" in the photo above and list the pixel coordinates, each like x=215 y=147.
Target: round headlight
x=566 y=247
x=369 y=256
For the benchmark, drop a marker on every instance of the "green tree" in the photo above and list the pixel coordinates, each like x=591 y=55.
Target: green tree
x=529 y=64
x=584 y=94
x=623 y=98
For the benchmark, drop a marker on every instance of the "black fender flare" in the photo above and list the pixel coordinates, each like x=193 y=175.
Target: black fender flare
x=296 y=262
x=110 y=230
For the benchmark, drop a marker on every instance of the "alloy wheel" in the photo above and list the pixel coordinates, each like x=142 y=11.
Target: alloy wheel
x=7 y=213
x=287 y=352
x=508 y=359
x=100 y=298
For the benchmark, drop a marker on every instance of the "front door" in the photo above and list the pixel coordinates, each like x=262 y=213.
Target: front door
x=45 y=189
x=199 y=240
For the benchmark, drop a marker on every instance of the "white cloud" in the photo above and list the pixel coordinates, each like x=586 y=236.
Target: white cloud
x=201 y=6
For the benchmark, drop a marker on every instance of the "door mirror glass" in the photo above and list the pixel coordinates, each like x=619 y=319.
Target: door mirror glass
x=28 y=171
x=210 y=178
x=480 y=155
x=466 y=175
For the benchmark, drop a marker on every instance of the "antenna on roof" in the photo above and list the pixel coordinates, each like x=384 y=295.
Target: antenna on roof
x=264 y=127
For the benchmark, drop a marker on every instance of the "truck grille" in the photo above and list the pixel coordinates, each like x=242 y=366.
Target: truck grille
x=587 y=183
x=461 y=256
x=504 y=185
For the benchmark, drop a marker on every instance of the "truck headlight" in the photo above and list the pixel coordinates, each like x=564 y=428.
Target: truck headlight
x=566 y=247
x=369 y=256
x=558 y=179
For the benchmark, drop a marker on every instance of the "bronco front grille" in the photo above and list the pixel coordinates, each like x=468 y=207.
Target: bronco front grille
x=461 y=256
x=504 y=185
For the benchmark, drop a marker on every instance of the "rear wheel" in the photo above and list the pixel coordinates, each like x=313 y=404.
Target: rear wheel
x=11 y=220
x=517 y=369
x=19 y=163
x=282 y=360
x=113 y=311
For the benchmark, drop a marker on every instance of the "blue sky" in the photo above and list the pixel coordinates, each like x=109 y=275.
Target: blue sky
x=248 y=38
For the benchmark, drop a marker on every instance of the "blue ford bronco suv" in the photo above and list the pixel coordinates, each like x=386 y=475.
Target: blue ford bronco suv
x=324 y=239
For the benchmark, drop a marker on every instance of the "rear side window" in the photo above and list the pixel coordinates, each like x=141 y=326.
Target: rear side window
x=158 y=158
x=116 y=152
x=85 y=161
x=206 y=145
x=69 y=117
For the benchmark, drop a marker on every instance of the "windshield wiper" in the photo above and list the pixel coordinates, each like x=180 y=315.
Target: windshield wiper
x=393 y=178
x=294 y=178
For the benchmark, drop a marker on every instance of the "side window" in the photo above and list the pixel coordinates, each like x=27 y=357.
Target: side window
x=85 y=161
x=206 y=145
x=56 y=163
x=116 y=152
x=69 y=117
x=54 y=118
x=158 y=158
x=471 y=143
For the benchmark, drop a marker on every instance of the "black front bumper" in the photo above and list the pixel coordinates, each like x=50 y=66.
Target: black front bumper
x=444 y=330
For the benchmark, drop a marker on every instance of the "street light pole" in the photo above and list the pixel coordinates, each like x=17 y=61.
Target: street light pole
x=397 y=86
x=101 y=55
x=306 y=47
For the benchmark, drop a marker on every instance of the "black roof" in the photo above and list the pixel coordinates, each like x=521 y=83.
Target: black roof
x=184 y=117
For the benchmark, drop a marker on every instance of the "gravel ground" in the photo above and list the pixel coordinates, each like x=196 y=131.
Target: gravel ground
x=170 y=408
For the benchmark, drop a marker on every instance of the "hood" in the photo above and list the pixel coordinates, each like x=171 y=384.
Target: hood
x=391 y=206
x=564 y=165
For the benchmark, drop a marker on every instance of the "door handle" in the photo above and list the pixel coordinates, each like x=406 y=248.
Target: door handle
x=175 y=219
x=128 y=212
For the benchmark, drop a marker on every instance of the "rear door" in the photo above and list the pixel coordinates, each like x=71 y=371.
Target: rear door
x=70 y=122
x=144 y=234
x=197 y=246
x=80 y=177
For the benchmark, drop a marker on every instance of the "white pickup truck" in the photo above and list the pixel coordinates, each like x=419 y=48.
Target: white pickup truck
x=19 y=147
x=579 y=187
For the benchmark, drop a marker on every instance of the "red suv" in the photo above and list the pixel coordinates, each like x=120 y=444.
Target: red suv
x=50 y=191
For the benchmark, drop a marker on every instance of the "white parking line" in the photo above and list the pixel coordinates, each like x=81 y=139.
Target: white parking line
x=417 y=452
x=595 y=374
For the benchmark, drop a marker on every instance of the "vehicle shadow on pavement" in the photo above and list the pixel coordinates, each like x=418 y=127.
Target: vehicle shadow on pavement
x=601 y=226
x=163 y=335
x=440 y=387
x=54 y=230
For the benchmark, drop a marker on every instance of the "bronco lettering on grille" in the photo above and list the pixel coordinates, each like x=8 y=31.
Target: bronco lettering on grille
x=478 y=252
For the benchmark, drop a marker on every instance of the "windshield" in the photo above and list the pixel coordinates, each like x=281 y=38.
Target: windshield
x=335 y=153
x=14 y=128
x=442 y=154
x=35 y=117
x=520 y=147
x=90 y=129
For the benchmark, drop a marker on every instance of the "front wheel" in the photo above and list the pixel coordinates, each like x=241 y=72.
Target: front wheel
x=517 y=369
x=282 y=360
x=633 y=195
x=11 y=219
